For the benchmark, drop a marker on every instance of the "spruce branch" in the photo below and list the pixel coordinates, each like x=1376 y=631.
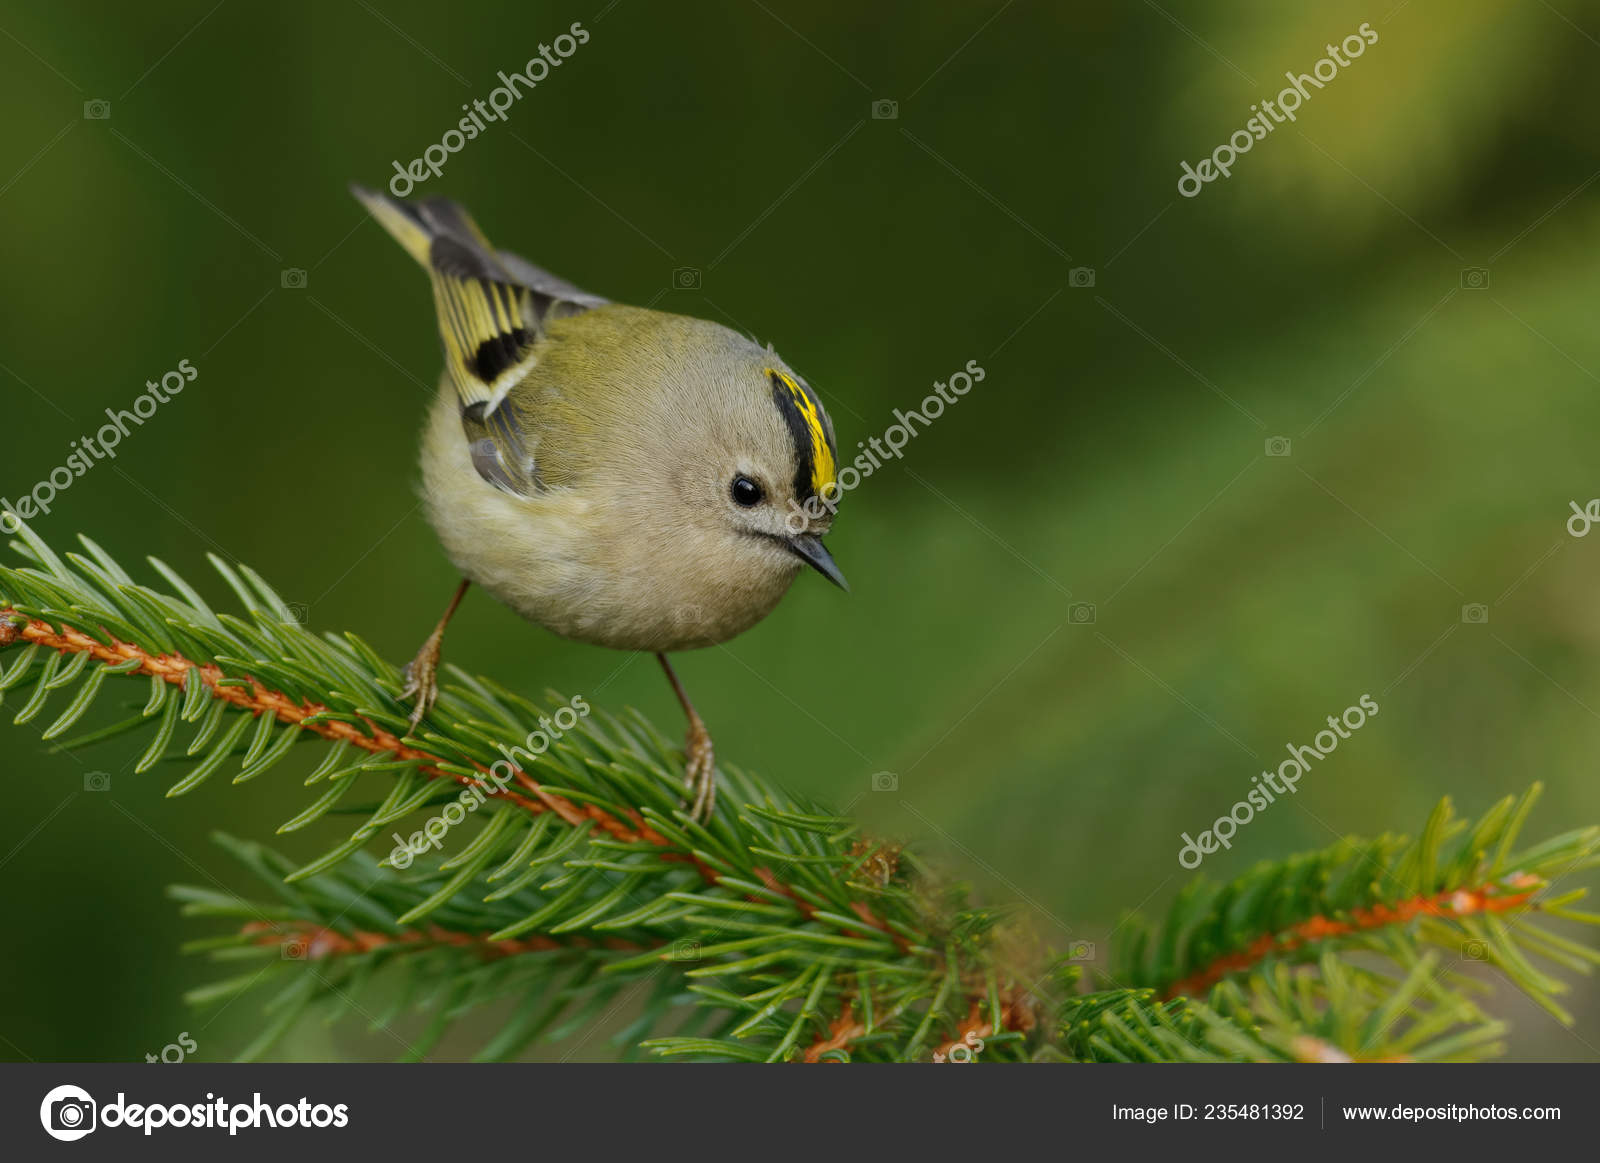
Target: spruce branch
x=571 y=885
x=1465 y=889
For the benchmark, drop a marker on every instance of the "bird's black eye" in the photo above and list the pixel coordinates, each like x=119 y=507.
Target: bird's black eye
x=745 y=492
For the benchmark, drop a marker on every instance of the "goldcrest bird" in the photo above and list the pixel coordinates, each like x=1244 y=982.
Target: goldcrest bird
x=621 y=476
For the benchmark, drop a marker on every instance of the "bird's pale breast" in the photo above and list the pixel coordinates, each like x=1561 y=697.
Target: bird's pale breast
x=591 y=570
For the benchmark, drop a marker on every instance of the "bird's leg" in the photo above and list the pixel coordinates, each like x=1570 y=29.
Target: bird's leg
x=422 y=672
x=700 y=778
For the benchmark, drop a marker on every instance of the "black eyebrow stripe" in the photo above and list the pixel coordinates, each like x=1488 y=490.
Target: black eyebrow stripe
x=799 y=433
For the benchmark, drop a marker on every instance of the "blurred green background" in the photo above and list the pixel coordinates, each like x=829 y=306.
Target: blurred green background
x=1438 y=422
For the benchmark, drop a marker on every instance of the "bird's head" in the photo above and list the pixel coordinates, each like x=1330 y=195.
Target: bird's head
x=772 y=476
x=723 y=454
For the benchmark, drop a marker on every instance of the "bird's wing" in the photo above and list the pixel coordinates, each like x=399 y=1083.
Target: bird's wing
x=493 y=307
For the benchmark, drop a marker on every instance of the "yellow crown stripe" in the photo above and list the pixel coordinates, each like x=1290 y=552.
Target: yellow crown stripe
x=823 y=468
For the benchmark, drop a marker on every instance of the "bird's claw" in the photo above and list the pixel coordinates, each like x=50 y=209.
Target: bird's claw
x=700 y=773
x=422 y=681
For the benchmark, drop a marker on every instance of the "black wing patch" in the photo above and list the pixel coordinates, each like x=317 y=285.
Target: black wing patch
x=492 y=309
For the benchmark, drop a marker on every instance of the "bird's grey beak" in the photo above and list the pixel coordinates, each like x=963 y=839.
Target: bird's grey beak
x=808 y=548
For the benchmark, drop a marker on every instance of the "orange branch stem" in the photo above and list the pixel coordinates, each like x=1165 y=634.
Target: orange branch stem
x=842 y=1033
x=258 y=699
x=1490 y=898
x=322 y=942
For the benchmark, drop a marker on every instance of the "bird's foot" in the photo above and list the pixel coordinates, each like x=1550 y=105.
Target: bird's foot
x=422 y=680
x=700 y=777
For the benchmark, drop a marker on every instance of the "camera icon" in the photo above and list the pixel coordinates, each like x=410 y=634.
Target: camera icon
x=68 y=1113
x=685 y=949
x=97 y=781
x=1080 y=277
x=885 y=781
x=1081 y=613
x=1475 y=613
x=294 y=949
x=293 y=279
x=885 y=110
x=97 y=109
x=1475 y=278
x=686 y=278
x=1278 y=446
x=72 y=1114
x=1475 y=950
x=1081 y=951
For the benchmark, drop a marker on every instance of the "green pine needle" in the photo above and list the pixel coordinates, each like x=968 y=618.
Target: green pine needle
x=772 y=932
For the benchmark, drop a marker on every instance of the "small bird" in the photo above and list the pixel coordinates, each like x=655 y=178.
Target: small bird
x=621 y=476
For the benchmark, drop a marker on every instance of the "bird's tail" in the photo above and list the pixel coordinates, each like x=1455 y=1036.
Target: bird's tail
x=492 y=309
x=435 y=229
